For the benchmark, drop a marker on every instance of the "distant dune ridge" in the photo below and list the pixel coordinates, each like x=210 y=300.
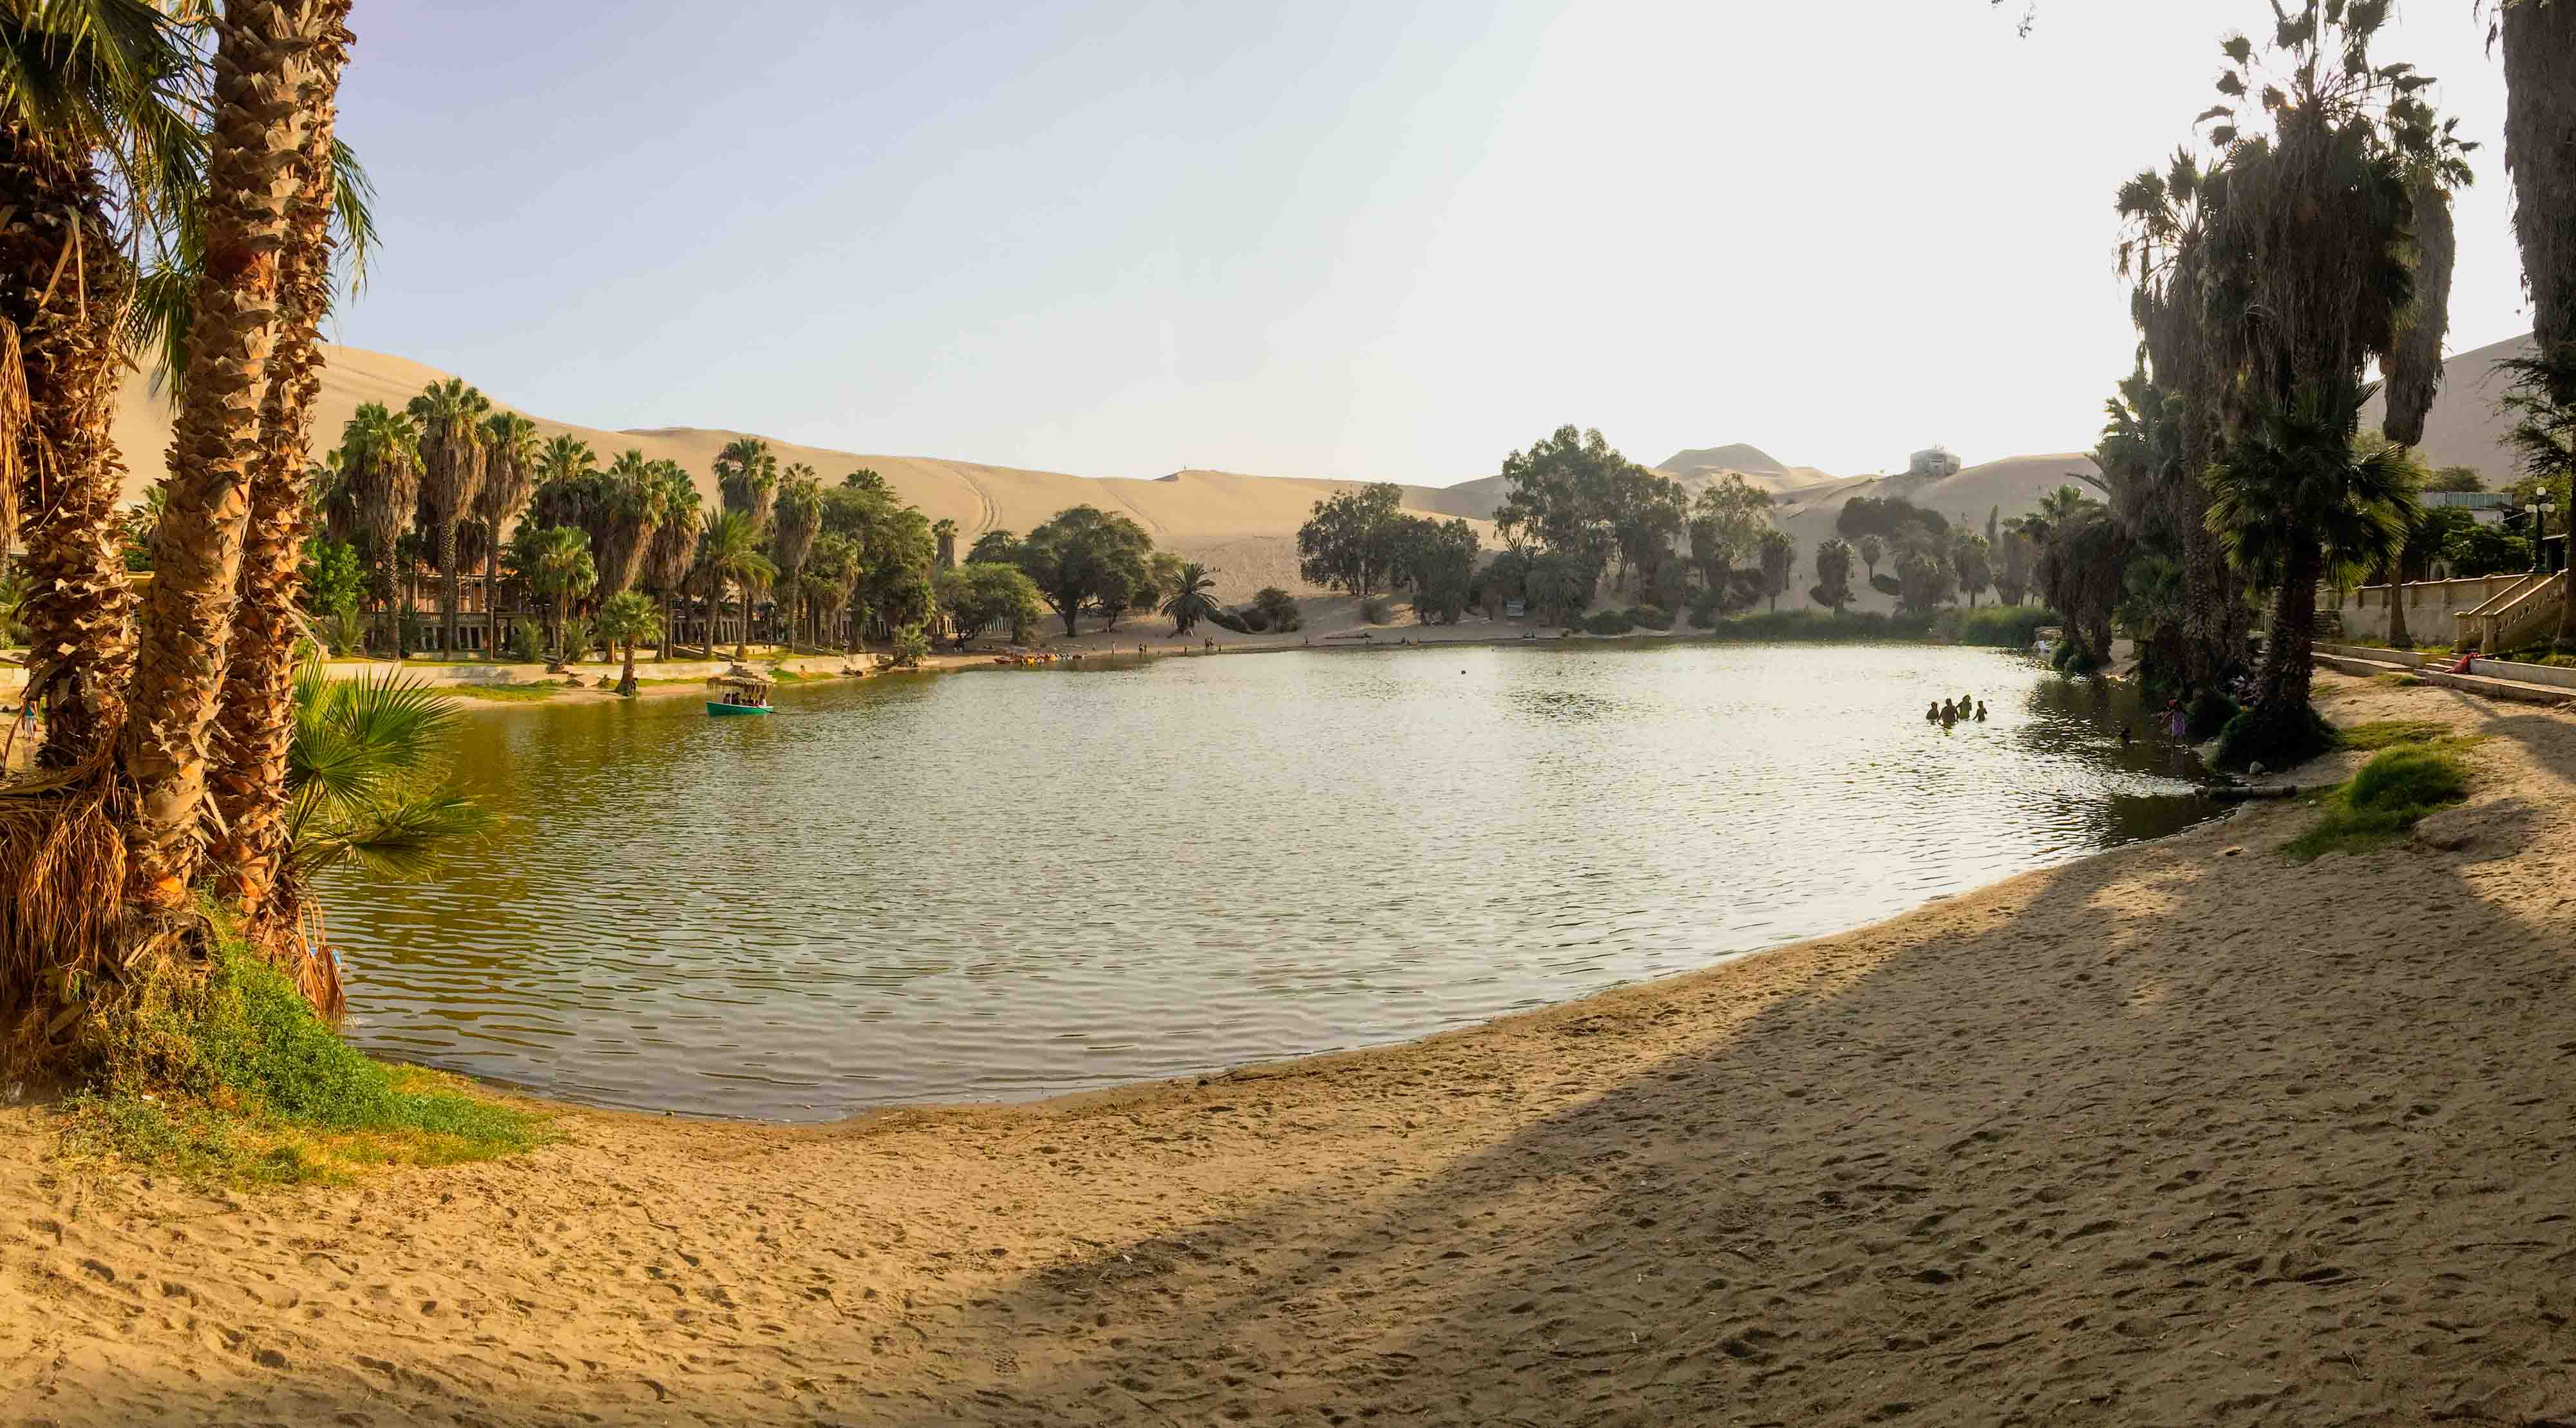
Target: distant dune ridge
x=1246 y=526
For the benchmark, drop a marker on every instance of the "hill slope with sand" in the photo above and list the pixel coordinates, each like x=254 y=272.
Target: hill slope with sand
x=1245 y=527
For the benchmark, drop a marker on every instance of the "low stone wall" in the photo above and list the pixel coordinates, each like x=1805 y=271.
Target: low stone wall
x=2431 y=606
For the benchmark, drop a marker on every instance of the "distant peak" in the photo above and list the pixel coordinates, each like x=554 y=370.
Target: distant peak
x=1736 y=456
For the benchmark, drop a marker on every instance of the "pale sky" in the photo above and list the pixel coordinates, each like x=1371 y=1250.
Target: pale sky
x=1378 y=240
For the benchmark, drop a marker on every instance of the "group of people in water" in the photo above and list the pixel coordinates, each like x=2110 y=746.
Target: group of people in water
x=1949 y=712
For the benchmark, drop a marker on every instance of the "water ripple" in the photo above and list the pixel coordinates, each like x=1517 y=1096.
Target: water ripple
x=1017 y=883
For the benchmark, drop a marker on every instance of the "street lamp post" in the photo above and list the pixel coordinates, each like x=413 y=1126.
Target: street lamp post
x=2540 y=512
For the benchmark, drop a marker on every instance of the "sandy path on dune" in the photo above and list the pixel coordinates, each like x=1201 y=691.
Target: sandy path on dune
x=2178 y=1134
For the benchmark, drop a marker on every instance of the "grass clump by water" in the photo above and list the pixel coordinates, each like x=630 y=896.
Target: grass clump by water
x=2386 y=799
x=231 y=1077
x=2001 y=626
x=506 y=693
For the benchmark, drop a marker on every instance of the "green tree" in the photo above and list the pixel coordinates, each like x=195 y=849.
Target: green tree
x=1833 y=588
x=1278 y=607
x=1191 y=598
x=1727 y=520
x=451 y=416
x=1350 y=541
x=794 y=523
x=1558 y=500
x=1079 y=555
x=1873 y=549
x=747 y=481
x=556 y=563
x=729 y=554
x=1970 y=560
x=2456 y=478
x=980 y=595
x=2295 y=501
x=1779 y=557
x=334 y=583
x=994 y=547
x=627 y=619
x=379 y=487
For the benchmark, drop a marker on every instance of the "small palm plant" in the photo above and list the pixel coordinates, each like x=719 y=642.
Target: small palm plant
x=368 y=786
x=1191 y=602
x=627 y=620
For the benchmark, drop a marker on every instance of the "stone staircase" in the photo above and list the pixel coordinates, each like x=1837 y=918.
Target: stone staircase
x=2520 y=614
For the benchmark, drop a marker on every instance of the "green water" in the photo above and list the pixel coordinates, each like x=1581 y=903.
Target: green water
x=1008 y=883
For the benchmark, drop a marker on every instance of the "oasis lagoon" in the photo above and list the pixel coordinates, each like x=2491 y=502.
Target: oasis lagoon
x=1006 y=884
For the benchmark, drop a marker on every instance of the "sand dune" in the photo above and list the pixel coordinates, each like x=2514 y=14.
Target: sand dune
x=1244 y=526
x=2180 y=1134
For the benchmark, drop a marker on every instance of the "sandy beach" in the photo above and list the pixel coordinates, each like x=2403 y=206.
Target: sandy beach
x=2178 y=1134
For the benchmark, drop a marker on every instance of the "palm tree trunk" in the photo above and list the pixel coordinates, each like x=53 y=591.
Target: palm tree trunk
x=64 y=284
x=257 y=719
x=447 y=589
x=2399 y=637
x=186 y=634
x=626 y=680
x=2539 y=45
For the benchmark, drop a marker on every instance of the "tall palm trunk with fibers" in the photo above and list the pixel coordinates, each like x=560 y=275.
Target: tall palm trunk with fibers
x=2539 y=44
x=67 y=291
x=185 y=636
x=256 y=722
x=451 y=416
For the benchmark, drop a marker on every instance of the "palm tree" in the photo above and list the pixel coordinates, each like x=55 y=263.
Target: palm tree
x=625 y=620
x=2296 y=500
x=380 y=484
x=2539 y=45
x=747 y=480
x=1873 y=549
x=1191 y=602
x=88 y=89
x=510 y=454
x=451 y=416
x=254 y=724
x=672 y=552
x=830 y=574
x=556 y=562
x=633 y=500
x=797 y=519
x=944 y=531
x=264 y=51
x=729 y=551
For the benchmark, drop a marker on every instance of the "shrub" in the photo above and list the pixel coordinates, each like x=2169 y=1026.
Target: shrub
x=911 y=643
x=2390 y=795
x=2209 y=713
x=1704 y=608
x=1279 y=607
x=1609 y=622
x=1652 y=617
x=1887 y=585
x=1377 y=610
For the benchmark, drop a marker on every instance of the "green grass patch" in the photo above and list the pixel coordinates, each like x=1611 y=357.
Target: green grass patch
x=230 y=1077
x=2386 y=799
x=2395 y=681
x=2390 y=733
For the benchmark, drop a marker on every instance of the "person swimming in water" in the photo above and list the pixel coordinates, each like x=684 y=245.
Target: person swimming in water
x=1981 y=711
x=1949 y=714
x=1933 y=714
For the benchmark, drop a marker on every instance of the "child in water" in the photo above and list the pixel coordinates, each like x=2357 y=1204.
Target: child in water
x=1949 y=714
x=1981 y=711
x=1933 y=714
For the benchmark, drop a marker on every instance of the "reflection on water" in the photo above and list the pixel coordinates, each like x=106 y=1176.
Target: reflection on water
x=1015 y=883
